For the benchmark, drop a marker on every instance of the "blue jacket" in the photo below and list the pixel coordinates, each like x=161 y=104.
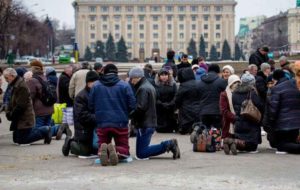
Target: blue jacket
x=284 y=106
x=112 y=100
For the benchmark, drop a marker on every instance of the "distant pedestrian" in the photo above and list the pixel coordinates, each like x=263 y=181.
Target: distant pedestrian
x=171 y=63
x=227 y=70
x=259 y=57
x=184 y=62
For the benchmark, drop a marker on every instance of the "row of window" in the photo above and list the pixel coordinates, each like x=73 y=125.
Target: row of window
x=155 y=27
x=117 y=18
x=168 y=8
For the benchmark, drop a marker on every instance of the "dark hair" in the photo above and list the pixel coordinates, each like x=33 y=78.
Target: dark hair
x=265 y=48
x=200 y=58
x=184 y=56
x=195 y=62
x=170 y=54
x=271 y=62
x=214 y=68
x=278 y=74
x=148 y=67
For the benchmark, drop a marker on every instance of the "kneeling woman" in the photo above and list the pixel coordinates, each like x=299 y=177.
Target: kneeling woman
x=247 y=133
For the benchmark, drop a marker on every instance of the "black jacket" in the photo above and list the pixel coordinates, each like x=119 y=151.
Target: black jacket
x=84 y=120
x=244 y=129
x=144 y=116
x=187 y=98
x=211 y=86
x=171 y=63
x=63 y=89
x=261 y=85
x=184 y=65
x=257 y=58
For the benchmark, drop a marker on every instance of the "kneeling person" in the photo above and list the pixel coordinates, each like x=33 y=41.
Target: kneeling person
x=84 y=122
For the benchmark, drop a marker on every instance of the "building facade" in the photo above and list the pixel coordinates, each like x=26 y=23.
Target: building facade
x=151 y=27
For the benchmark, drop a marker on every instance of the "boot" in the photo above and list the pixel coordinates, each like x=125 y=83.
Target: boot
x=66 y=147
x=113 y=157
x=67 y=130
x=60 y=131
x=174 y=148
x=227 y=145
x=48 y=137
x=102 y=153
x=240 y=144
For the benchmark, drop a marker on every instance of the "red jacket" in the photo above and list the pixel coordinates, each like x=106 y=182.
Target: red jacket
x=227 y=116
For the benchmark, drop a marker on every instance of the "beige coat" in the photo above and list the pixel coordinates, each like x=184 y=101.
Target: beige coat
x=77 y=82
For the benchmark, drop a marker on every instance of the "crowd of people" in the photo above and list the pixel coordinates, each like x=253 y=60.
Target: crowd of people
x=170 y=100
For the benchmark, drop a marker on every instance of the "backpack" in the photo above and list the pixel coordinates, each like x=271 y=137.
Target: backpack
x=48 y=96
x=202 y=140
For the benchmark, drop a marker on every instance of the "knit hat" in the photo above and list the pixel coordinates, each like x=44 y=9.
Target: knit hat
x=229 y=67
x=91 y=76
x=21 y=71
x=136 y=72
x=36 y=63
x=97 y=66
x=248 y=79
x=110 y=68
x=232 y=79
x=265 y=66
x=163 y=71
x=49 y=70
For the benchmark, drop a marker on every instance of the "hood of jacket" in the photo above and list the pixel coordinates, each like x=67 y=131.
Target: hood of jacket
x=109 y=79
x=209 y=77
x=242 y=89
x=185 y=74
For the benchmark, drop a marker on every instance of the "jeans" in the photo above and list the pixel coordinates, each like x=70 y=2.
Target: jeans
x=95 y=140
x=27 y=136
x=143 y=147
x=41 y=121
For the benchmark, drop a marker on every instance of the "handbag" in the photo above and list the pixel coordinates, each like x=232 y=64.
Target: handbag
x=249 y=110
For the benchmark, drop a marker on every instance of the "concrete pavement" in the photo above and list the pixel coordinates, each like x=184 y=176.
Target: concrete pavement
x=43 y=167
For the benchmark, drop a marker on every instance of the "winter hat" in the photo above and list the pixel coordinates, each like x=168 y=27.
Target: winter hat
x=195 y=67
x=265 y=66
x=229 y=67
x=278 y=74
x=85 y=65
x=136 y=72
x=248 y=79
x=91 y=76
x=97 y=66
x=36 y=63
x=110 y=68
x=49 y=70
x=232 y=79
x=163 y=71
x=21 y=71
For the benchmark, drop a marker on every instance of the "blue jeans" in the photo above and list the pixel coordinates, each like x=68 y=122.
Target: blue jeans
x=41 y=121
x=95 y=140
x=27 y=136
x=143 y=147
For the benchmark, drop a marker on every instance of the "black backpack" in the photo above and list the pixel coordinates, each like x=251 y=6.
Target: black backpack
x=48 y=96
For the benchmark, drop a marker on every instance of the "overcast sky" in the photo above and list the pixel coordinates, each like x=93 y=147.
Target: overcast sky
x=63 y=10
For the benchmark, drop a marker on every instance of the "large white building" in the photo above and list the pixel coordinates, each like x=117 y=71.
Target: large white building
x=151 y=27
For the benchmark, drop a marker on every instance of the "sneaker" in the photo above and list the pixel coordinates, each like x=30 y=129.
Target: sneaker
x=280 y=152
x=113 y=157
x=103 y=154
x=60 y=131
x=48 y=137
x=67 y=146
x=174 y=148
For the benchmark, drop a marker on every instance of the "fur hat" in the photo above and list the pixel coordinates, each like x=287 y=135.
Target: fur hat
x=36 y=63
x=91 y=76
x=230 y=68
x=136 y=72
x=110 y=68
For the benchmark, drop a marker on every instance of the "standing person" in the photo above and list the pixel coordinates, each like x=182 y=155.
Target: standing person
x=253 y=69
x=112 y=99
x=144 y=117
x=98 y=67
x=187 y=101
x=261 y=81
x=285 y=66
x=63 y=86
x=149 y=73
x=42 y=112
x=227 y=70
x=211 y=86
x=247 y=133
x=20 y=112
x=202 y=63
x=259 y=57
x=84 y=122
x=165 y=105
x=284 y=111
x=171 y=62
x=77 y=82
x=184 y=62
x=228 y=113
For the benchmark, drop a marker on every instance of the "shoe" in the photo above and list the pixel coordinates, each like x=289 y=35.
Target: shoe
x=174 y=148
x=67 y=130
x=67 y=146
x=60 y=131
x=103 y=154
x=226 y=146
x=48 y=137
x=280 y=152
x=113 y=157
x=254 y=152
x=233 y=148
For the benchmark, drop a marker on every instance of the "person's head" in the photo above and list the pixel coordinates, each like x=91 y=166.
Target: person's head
x=36 y=66
x=195 y=61
x=248 y=79
x=201 y=59
x=50 y=71
x=227 y=70
x=163 y=75
x=169 y=68
x=90 y=79
x=252 y=69
x=264 y=50
x=21 y=71
x=278 y=74
x=135 y=75
x=272 y=64
x=85 y=65
x=98 y=67
x=185 y=58
x=233 y=82
x=214 y=68
x=68 y=70
x=110 y=69
x=170 y=55
x=266 y=69
x=10 y=74
x=148 y=67
x=283 y=61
